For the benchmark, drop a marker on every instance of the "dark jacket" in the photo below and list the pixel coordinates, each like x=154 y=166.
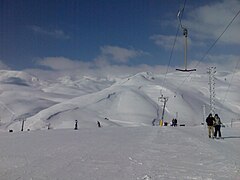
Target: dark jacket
x=210 y=120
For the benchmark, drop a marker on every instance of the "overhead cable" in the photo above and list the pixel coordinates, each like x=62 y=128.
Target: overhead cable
x=209 y=49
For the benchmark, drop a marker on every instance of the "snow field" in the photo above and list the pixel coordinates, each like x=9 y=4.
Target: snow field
x=120 y=153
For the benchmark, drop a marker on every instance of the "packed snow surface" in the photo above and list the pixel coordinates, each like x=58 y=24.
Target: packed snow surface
x=122 y=153
x=130 y=144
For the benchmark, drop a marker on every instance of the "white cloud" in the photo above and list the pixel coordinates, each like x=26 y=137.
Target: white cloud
x=61 y=66
x=205 y=24
x=111 y=61
x=57 y=33
x=108 y=55
x=224 y=62
x=166 y=41
x=209 y=21
x=103 y=68
x=62 y=63
x=118 y=54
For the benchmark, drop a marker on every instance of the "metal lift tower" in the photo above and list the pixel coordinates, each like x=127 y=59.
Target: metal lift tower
x=211 y=71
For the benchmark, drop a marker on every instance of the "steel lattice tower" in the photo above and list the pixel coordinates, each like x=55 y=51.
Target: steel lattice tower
x=211 y=71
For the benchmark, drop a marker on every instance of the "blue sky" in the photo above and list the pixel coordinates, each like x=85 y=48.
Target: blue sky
x=60 y=34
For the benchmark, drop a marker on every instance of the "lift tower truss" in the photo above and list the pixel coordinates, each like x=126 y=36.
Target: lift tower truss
x=212 y=71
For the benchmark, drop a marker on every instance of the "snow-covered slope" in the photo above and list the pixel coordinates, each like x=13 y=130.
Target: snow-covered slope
x=116 y=105
x=129 y=101
x=21 y=96
x=117 y=151
x=78 y=85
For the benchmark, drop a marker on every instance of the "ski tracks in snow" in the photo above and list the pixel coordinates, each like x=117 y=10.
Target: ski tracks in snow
x=178 y=153
x=220 y=157
x=142 y=153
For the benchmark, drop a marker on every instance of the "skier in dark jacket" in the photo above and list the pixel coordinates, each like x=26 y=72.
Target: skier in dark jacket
x=98 y=123
x=210 y=121
x=76 y=125
x=217 y=126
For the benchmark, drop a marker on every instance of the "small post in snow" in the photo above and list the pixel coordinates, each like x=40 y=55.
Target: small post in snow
x=204 y=115
x=22 y=124
x=48 y=126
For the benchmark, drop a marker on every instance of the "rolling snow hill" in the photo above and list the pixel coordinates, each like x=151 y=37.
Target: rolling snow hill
x=128 y=146
x=129 y=101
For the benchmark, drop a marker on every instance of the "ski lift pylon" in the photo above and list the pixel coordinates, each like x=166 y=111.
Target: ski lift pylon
x=185 y=34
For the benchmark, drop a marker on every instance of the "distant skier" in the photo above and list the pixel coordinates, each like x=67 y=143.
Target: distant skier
x=217 y=126
x=98 y=123
x=174 y=122
x=210 y=121
x=76 y=125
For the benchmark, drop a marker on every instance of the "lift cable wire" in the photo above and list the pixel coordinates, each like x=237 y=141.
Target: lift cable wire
x=171 y=54
x=174 y=43
x=230 y=83
x=210 y=48
x=220 y=36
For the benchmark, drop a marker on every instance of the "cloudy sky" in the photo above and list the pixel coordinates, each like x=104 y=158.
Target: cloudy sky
x=85 y=34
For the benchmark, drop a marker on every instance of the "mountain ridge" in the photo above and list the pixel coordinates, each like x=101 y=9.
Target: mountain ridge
x=131 y=100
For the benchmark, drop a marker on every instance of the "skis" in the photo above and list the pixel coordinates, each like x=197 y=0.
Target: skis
x=219 y=138
x=216 y=138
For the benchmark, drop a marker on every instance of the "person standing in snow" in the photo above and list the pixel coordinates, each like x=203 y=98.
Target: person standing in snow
x=76 y=125
x=210 y=121
x=175 y=122
x=98 y=123
x=217 y=126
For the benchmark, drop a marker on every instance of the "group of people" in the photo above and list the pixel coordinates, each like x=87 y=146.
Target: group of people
x=76 y=124
x=174 y=122
x=214 y=126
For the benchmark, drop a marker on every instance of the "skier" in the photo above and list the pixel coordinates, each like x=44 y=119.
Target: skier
x=210 y=121
x=76 y=125
x=217 y=126
x=98 y=123
x=175 y=122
